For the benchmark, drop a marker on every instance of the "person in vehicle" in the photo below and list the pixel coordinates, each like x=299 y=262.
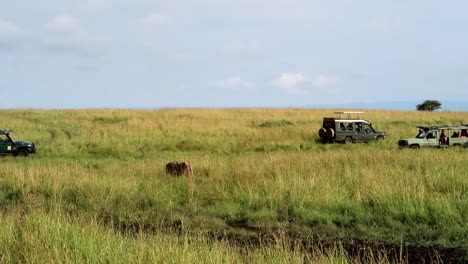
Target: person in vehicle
x=443 y=138
x=342 y=127
x=464 y=133
x=421 y=134
x=430 y=135
x=359 y=127
x=455 y=134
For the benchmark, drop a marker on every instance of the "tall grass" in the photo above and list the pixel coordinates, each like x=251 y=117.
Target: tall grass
x=258 y=172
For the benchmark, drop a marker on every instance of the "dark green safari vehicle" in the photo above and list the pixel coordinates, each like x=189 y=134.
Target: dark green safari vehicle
x=8 y=146
x=437 y=136
x=348 y=129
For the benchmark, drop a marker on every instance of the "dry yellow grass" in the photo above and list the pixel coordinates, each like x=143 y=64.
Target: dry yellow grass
x=108 y=165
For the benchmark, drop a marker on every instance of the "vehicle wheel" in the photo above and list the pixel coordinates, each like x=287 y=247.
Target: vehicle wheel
x=379 y=138
x=23 y=153
x=457 y=145
x=414 y=146
x=348 y=140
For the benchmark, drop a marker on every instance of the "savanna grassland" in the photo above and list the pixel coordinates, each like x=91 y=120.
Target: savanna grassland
x=264 y=189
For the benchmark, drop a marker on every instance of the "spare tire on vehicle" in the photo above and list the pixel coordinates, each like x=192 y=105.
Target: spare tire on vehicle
x=330 y=133
x=322 y=133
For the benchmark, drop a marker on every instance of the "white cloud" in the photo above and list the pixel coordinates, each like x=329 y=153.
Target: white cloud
x=233 y=83
x=78 y=45
x=297 y=83
x=7 y=28
x=324 y=81
x=66 y=34
x=64 y=24
x=290 y=83
x=152 y=20
x=95 y=4
x=10 y=33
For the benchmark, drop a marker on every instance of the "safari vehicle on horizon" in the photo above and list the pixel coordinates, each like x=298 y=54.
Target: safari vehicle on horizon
x=348 y=129
x=437 y=136
x=9 y=146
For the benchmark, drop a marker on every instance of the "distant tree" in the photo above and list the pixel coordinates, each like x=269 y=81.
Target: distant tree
x=429 y=105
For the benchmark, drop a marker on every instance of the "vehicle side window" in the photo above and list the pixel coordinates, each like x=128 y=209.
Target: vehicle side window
x=463 y=133
x=350 y=126
x=359 y=127
x=432 y=134
x=342 y=127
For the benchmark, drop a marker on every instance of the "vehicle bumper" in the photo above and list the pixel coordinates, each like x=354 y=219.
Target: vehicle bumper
x=32 y=149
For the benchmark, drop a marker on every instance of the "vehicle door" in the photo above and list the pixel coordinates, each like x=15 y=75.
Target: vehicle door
x=341 y=131
x=368 y=132
x=359 y=134
x=6 y=146
x=432 y=139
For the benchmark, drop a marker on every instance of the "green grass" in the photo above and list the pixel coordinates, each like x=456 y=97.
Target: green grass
x=99 y=175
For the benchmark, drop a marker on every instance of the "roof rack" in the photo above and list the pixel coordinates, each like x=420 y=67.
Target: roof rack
x=444 y=127
x=348 y=114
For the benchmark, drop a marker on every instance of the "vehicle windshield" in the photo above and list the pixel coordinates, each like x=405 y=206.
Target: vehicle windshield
x=3 y=138
x=421 y=134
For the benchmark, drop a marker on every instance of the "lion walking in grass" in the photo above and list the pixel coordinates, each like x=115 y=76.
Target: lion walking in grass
x=179 y=168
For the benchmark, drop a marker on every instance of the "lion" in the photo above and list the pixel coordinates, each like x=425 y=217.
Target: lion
x=178 y=168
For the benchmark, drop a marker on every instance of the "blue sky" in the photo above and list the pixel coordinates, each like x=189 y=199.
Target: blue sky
x=243 y=53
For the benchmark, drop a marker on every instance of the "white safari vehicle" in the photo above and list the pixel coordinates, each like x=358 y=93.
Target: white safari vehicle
x=437 y=136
